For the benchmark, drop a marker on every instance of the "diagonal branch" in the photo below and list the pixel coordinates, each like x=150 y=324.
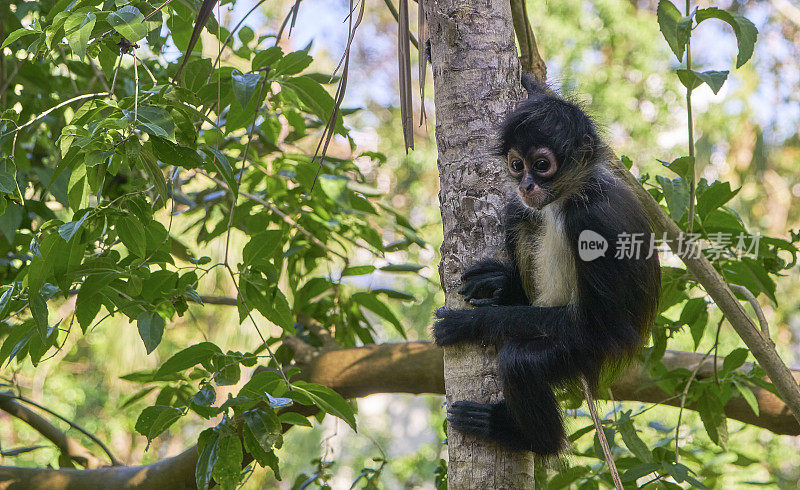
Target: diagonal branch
x=716 y=287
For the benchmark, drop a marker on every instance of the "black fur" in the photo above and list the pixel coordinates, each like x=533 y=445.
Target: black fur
x=546 y=347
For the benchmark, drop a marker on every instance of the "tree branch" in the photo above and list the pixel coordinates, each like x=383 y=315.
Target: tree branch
x=529 y=58
x=716 y=287
x=68 y=446
x=410 y=367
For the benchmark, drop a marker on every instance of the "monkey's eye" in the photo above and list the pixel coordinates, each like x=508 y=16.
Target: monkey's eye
x=516 y=166
x=541 y=166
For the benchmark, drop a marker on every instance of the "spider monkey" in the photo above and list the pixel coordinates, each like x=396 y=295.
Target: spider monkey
x=554 y=313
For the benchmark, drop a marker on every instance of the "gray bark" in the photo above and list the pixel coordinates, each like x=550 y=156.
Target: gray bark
x=476 y=82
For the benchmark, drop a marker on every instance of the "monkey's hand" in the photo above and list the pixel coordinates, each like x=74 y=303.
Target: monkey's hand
x=485 y=283
x=455 y=326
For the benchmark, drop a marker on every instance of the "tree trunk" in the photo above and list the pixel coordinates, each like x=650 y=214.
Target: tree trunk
x=476 y=82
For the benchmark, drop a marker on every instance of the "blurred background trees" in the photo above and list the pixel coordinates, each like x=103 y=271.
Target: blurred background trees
x=607 y=53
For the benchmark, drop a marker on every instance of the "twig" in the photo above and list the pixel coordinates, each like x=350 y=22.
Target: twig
x=686 y=392
x=285 y=217
x=762 y=320
x=58 y=106
x=598 y=427
x=11 y=396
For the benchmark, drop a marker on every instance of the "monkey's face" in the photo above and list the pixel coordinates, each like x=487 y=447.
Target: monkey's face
x=534 y=169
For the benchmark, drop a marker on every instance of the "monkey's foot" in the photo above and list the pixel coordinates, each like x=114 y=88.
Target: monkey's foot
x=471 y=418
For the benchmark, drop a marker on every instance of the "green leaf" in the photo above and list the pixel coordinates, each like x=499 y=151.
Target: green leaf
x=695 y=315
x=41 y=267
x=151 y=329
x=712 y=414
x=154 y=173
x=265 y=427
x=39 y=313
x=196 y=73
x=205 y=396
x=713 y=196
x=748 y=396
x=681 y=166
x=266 y=58
x=668 y=17
x=357 y=270
x=394 y=294
x=221 y=164
x=5 y=300
x=746 y=32
x=291 y=64
x=632 y=440
x=692 y=79
x=153 y=120
x=188 y=357
x=229 y=462
x=78 y=188
x=244 y=84
x=68 y=230
x=372 y=303
x=676 y=193
x=208 y=450
x=21 y=32
x=155 y=420
x=639 y=471
x=751 y=274
x=314 y=97
x=294 y=418
x=129 y=23
x=262 y=246
x=402 y=268
x=175 y=154
x=78 y=28
x=328 y=400
x=131 y=232
x=735 y=359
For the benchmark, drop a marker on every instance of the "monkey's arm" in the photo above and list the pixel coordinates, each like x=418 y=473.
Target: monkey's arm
x=500 y=323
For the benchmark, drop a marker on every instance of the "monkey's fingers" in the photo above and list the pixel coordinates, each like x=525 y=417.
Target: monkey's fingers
x=482 y=287
x=493 y=301
x=484 y=267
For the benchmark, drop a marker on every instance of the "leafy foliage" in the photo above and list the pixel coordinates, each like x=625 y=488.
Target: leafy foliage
x=115 y=179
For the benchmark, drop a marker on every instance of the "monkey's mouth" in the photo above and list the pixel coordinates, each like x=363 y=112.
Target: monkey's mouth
x=537 y=198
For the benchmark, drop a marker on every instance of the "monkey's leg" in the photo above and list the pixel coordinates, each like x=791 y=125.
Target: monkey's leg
x=530 y=417
x=528 y=371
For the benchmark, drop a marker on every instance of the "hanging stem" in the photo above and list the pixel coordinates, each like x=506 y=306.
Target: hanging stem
x=693 y=183
x=598 y=427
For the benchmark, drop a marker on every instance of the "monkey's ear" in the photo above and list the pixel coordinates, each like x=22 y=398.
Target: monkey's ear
x=533 y=85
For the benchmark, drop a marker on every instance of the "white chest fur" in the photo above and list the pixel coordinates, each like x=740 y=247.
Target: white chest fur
x=546 y=262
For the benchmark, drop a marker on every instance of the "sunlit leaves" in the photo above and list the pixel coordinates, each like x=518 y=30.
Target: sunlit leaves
x=244 y=84
x=155 y=420
x=188 y=357
x=129 y=23
x=668 y=18
x=326 y=399
x=745 y=31
x=692 y=79
x=78 y=27
x=18 y=34
x=291 y=64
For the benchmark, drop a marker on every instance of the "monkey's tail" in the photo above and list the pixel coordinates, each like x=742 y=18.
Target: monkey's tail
x=533 y=85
